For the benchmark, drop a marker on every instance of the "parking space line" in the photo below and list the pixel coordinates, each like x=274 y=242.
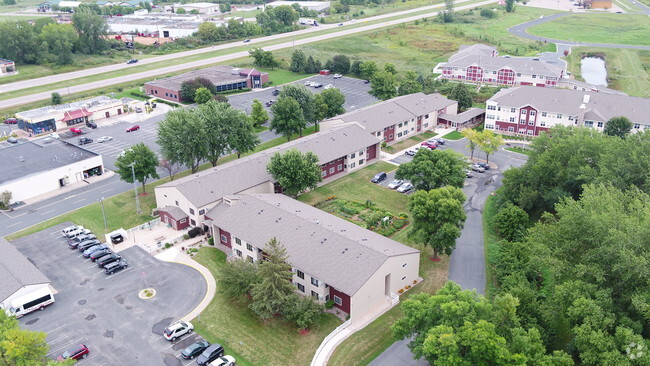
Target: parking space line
x=62 y=336
x=84 y=360
x=65 y=347
x=55 y=329
x=122 y=271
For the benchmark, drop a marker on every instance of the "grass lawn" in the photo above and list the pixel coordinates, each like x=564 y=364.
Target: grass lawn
x=491 y=240
x=245 y=14
x=250 y=340
x=632 y=29
x=627 y=69
x=410 y=141
x=519 y=150
x=453 y=135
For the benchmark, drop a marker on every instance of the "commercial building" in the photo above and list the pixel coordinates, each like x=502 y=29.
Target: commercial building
x=331 y=258
x=7 y=66
x=225 y=78
x=60 y=116
x=482 y=64
x=37 y=167
x=529 y=111
x=340 y=149
x=319 y=6
x=202 y=8
x=18 y=276
x=156 y=25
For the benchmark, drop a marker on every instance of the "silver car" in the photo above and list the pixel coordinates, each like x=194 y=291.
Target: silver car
x=395 y=184
x=104 y=139
x=405 y=187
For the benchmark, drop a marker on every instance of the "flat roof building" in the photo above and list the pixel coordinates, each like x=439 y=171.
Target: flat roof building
x=318 y=6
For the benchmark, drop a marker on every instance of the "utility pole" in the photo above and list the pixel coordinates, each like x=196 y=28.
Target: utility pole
x=135 y=187
x=101 y=200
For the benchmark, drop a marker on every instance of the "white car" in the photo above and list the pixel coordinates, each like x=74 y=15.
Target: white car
x=405 y=187
x=178 y=329
x=308 y=83
x=396 y=183
x=104 y=139
x=226 y=360
x=55 y=135
x=329 y=86
x=337 y=76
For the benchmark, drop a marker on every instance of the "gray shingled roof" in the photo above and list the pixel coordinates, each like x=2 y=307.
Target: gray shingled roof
x=210 y=185
x=600 y=107
x=16 y=271
x=175 y=212
x=335 y=251
x=378 y=116
x=462 y=117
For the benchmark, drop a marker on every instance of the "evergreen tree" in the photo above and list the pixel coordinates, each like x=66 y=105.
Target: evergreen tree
x=271 y=294
x=298 y=61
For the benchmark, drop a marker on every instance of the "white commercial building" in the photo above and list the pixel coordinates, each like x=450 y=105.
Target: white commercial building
x=319 y=6
x=203 y=8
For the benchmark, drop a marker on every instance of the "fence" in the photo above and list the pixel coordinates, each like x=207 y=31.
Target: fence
x=336 y=331
x=147 y=225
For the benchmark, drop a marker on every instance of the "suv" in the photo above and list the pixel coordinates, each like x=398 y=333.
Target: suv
x=99 y=254
x=81 y=351
x=87 y=244
x=178 y=329
x=115 y=266
x=91 y=124
x=85 y=140
x=80 y=239
x=379 y=177
x=211 y=353
x=109 y=258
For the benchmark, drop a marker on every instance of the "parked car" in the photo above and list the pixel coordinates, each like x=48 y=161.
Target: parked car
x=405 y=187
x=85 y=140
x=413 y=151
x=275 y=92
x=132 y=61
x=48 y=140
x=194 y=349
x=317 y=85
x=93 y=249
x=366 y=81
x=379 y=177
x=429 y=144
x=308 y=83
x=485 y=166
x=11 y=121
x=224 y=361
x=91 y=124
x=76 y=353
x=178 y=329
x=12 y=140
x=468 y=173
x=337 y=76
x=478 y=168
x=76 y=131
x=133 y=128
x=328 y=86
x=68 y=229
x=396 y=183
x=440 y=140
x=340 y=24
x=104 y=139
x=138 y=110
x=80 y=239
x=99 y=254
x=270 y=103
x=210 y=354
x=78 y=230
x=55 y=135
x=115 y=266
x=87 y=244
x=110 y=258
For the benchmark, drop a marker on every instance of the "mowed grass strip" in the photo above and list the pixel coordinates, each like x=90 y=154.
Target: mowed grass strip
x=249 y=339
x=453 y=135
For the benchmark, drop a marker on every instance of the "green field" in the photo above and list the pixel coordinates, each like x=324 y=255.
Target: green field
x=519 y=150
x=632 y=29
x=453 y=135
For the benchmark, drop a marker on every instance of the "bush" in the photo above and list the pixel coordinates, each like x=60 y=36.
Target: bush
x=487 y=13
x=185 y=237
x=302 y=310
x=138 y=94
x=511 y=222
x=329 y=304
x=167 y=102
x=211 y=240
x=168 y=245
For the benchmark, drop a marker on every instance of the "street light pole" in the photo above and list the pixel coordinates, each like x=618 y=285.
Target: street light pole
x=135 y=187
x=101 y=200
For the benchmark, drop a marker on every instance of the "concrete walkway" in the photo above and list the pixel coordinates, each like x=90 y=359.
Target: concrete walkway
x=177 y=256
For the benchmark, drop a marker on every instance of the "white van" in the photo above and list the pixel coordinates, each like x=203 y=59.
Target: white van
x=68 y=229
x=80 y=230
x=36 y=300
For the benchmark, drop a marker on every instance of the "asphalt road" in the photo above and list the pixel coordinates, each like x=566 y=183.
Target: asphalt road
x=12 y=102
x=103 y=311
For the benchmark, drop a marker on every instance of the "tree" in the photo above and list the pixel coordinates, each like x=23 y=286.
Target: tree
x=303 y=96
x=320 y=110
x=295 y=171
x=510 y=6
x=618 y=126
x=310 y=67
x=5 y=198
x=511 y=222
x=270 y=295
x=384 y=85
x=169 y=167
x=334 y=100
x=368 y=69
x=390 y=68
x=243 y=138
x=287 y=119
x=408 y=84
x=180 y=11
x=19 y=42
x=202 y=96
x=208 y=32
x=447 y=16
x=92 y=30
x=460 y=94
x=434 y=169
x=355 y=68
x=341 y=64
x=60 y=40
x=218 y=121
x=438 y=217
x=56 y=98
x=298 y=61
x=489 y=142
x=145 y=161
x=472 y=137
x=303 y=311
x=237 y=278
x=258 y=115
x=189 y=88
x=181 y=138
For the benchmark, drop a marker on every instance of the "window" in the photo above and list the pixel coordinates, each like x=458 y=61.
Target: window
x=191 y=211
x=249 y=247
x=378 y=133
x=390 y=137
x=360 y=152
x=600 y=124
x=491 y=107
x=237 y=241
x=300 y=287
x=512 y=110
x=489 y=127
x=518 y=74
x=523 y=112
x=352 y=165
x=224 y=239
x=511 y=129
x=426 y=125
x=512 y=119
x=426 y=116
x=192 y=222
x=300 y=274
x=176 y=203
x=338 y=301
x=542 y=123
x=201 y=212
x=340 y=167
x=404 y=265
x=637 y=126
x=403 y=278
x=323 y=173
x=250 y=259
x=589 y=124
x=361 y=162
x=534 y=76
x=522 y=121
x=238 y=252
x=559 y=115
x=332 y=170
x=399 y=134
x=399 y=126
x=543 y=114
x=315 y=295
x=183 y=221
x=166 y=94
x=531 y=123
x=353 y=155
x=314 y=281
x=532 y=113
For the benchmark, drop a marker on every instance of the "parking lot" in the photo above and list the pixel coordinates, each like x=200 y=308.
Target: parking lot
x=355 y=90
x=104 y=312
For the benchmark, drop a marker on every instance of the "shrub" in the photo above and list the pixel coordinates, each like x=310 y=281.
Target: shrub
x=167 y=102
x=329 y=304
x=302 y=310
x=211 y=240
x=168 y=245
x=185 y=237
x=487 y=13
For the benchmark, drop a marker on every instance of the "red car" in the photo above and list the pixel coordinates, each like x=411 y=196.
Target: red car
x=77 y=131
x=75 y=353
x=430 y=145
x=11 y=121
x=133 y=128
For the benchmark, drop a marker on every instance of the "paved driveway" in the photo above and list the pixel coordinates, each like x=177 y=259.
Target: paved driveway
x=104 y=311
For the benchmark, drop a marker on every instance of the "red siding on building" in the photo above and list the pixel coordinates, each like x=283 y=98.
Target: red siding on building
x=345 y=299
x=176 y=225
x=389 y=133
x=226 y=242
x=162 y=93
x=419 y=124
x=371 y=152
x=332 y=168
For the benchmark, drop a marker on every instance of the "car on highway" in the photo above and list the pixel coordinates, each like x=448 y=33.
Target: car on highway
x=194 y=349
x=115 y=266
x=85 y=140
x=104 y=139
x=133 y=128
x=87 y=244
x=405 y=187
x=110 y=258
x=211 y=353
x=247 y=40
x=93 y=249
x=395 y=184
x=99 y=254
x=178 y=329
x=76 y=131
x=379 y=177
x=12 y=140
x=132 y=61
x=91 y=124
x=10 y=121
x=75 y=353
x=223 y=361
x=337 y=76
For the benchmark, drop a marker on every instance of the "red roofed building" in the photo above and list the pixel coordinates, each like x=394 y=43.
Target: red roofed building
x=76 y=116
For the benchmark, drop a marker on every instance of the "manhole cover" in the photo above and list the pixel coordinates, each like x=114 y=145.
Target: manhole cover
x=119 y=299
x=109 y=333
x=90 y=317
x=30 y=322
x=81 y=302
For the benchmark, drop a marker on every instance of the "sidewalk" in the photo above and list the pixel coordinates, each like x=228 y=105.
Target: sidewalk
x=177 y=256
x=67 y=188
x=387 y=157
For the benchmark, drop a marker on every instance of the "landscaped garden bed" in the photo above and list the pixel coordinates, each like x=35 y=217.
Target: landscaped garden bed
x=366 y=215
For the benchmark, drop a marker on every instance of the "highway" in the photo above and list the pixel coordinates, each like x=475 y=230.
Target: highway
x=150 y=74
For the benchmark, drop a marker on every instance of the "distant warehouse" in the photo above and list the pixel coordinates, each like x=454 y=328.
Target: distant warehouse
x=225 y=78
